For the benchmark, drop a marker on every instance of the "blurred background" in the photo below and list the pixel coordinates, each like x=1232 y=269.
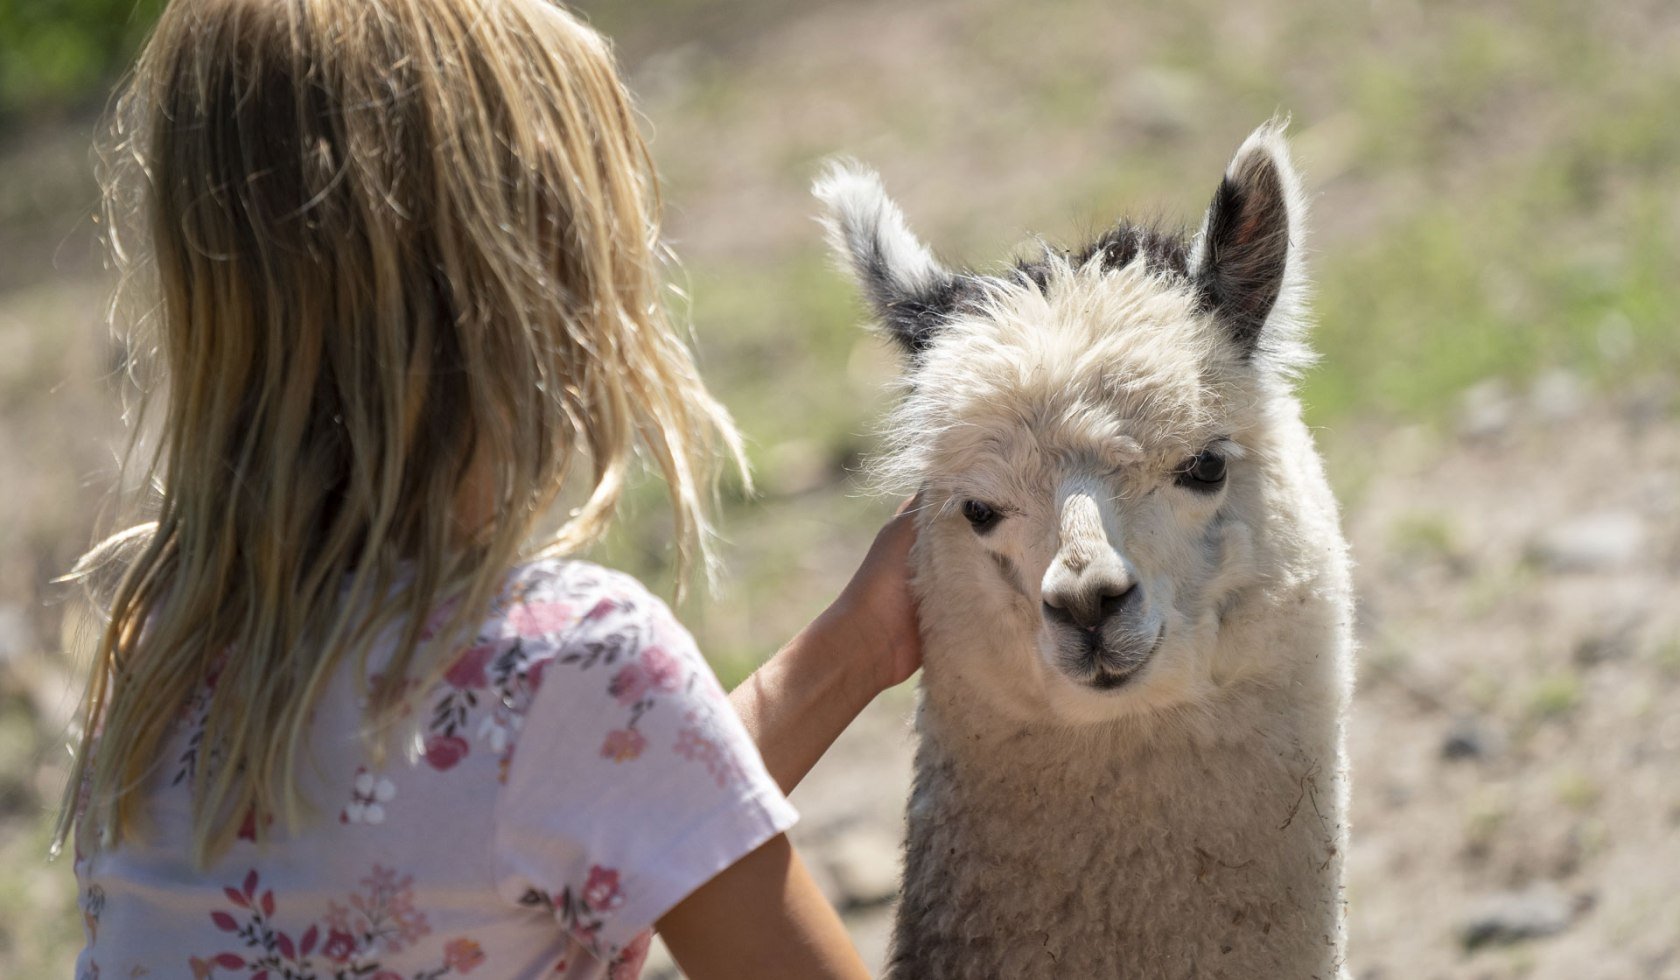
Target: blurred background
x=1495 y=235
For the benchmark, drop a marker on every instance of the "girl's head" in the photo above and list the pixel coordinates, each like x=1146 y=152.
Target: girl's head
x=406 y=268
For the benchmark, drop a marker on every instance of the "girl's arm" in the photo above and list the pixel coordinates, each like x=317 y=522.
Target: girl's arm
x=763 y=916
x=799 y=702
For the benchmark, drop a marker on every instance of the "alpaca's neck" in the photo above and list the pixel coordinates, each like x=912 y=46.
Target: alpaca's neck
x=1104 y=852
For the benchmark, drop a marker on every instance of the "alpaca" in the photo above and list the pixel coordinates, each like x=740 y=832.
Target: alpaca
x=1134 y=596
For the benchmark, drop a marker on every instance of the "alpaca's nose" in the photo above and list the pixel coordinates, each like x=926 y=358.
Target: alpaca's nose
x=1090 y=600
x=1088 y=581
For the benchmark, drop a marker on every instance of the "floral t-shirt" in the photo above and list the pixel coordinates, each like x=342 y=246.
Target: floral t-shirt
x=577 y=773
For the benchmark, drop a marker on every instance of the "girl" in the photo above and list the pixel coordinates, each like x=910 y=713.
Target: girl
x=342 y=721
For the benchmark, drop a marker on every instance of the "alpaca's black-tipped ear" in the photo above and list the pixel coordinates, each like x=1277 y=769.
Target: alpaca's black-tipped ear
x=910 y=292
x=1246 y=260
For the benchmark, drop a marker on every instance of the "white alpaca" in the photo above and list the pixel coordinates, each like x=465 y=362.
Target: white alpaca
x=1134 y=595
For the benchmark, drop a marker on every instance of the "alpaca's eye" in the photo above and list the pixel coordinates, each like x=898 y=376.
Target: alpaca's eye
x=1204 y=472
x=983 y=516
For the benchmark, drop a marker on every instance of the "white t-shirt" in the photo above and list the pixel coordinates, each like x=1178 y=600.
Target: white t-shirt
x=577 y=773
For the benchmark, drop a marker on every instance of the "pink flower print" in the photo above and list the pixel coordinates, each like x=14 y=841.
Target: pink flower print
x=700 y=741
x=534 y=674
x=662 y=669
x=601 y=892
x=539 y=618
x=248 y=826
x=623 y=745
x=340 y=946
x=468 y=670
x=245 y=897
x=389 y=905
x=629 y=684
x=93 y=904
x=368 y=798
x=381 y=918
x=387 y=975
x=443 y=751
x=462 y=954
x=628 y=964
x=601 y=608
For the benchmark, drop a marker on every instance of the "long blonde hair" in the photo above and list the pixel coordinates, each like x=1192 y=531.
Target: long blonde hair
x=403 y=253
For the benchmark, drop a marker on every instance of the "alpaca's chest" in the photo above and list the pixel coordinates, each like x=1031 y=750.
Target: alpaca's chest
x=1221 y=865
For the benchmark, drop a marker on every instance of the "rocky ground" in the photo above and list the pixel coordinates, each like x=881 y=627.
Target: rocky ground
x=1516 y=805
x=1516 y=802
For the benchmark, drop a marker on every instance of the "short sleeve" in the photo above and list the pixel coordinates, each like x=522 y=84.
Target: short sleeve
x=633 y=781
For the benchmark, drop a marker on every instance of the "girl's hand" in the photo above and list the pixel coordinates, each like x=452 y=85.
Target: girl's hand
x=874 y=619
x=865 y=642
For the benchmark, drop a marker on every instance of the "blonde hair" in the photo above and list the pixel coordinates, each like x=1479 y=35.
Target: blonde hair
x=405 y=254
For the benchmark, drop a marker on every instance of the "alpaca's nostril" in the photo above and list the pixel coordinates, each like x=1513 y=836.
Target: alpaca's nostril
x=1088 y=609
x=1115 y=599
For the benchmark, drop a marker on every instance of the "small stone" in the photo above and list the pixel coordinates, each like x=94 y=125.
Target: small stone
x=1612 y=641
x=1503 y=918
x=865 y=867
x=1486 y=411
x=1468 y=738
x=1616 y=339
x=1557 y=396
x=1590 y=543
x=16 y=636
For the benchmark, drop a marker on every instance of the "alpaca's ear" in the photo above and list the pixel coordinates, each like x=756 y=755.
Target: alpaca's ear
x=1246 y=260
x=910 y=291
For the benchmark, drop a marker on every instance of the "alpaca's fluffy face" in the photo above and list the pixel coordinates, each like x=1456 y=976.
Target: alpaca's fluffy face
x=1083 y=452
x=1088 y=433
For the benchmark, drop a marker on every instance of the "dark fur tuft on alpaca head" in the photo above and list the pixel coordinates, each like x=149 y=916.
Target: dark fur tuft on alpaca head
x=1243 y=265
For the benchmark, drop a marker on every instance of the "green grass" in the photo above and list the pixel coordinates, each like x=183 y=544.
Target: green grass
x=1549 y=240
x=779 y=344
x=1576 y=790
x=33 y=944
x=1554 y=696
x=1409 y=321
x=59 y=52
x=1425 y=536
x=1666 y=656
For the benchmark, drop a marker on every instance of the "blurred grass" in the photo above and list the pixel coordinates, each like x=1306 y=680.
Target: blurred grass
x=1564 y=260
x=1494 y=188
x=56 y=54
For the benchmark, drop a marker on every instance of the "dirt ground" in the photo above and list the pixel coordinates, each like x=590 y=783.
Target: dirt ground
x=1514 y=736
